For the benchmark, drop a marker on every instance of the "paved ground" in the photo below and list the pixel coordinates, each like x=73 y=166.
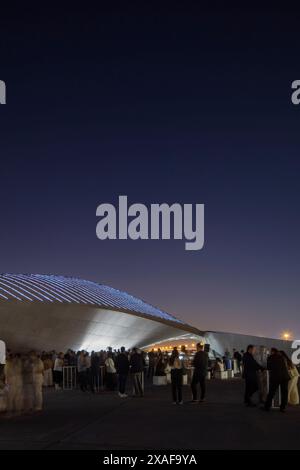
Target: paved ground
x=73 y=420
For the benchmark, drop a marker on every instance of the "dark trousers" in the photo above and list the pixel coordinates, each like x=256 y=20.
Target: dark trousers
x=176 y=380
x=251 y=386
x=150 y=371
x=273 y=389
x=198 y=379
x=122 y=383
x=82 y=379
x=111 y=381
x=137 y=384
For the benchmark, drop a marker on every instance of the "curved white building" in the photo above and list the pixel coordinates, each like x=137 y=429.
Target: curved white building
x=46 y=312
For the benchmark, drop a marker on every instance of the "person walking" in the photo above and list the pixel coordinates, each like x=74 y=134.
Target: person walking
x=122 y=364
x=279 y=377
x=293 y=394
x=250 y=369
x=136 y=368
x=200 y=364
x=176 y=366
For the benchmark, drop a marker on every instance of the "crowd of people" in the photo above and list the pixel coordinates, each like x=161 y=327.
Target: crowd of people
x=24 y=376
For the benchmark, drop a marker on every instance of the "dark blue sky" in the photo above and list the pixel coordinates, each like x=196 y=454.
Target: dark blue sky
x=183 y=105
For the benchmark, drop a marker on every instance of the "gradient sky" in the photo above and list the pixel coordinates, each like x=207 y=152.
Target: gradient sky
x=182 y=105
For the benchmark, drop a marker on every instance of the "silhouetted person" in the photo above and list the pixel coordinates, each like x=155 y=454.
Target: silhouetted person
x=95 y=371
x=122 y=364
x=250 y=369
x=176 y=366
x=200 y=364
x=137 y=368
x=279 y=377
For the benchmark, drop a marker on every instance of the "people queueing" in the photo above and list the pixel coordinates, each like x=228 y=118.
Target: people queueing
x=293 y=394
x=122 y=365
x=136 y=368
x=176 y=366
x=279 y=377
x=58 y=371
x=200 y=364
x=250 y=369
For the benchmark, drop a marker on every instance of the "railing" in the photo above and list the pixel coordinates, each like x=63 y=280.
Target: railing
x=70 y=379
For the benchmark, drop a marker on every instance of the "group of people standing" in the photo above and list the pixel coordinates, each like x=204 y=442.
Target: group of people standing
x=177 y=367
x=283 y=375
x=23 y=381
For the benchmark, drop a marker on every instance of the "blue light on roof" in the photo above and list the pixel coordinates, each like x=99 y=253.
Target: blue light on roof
x=49 y=288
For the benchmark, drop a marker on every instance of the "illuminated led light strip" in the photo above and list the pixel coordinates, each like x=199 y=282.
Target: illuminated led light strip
x=65 y=288
x=57 y=292
x=108 y=295
x=69 y=290
x=78 y=288
x=56 y=280
x=11 y=294
x=93 y=296
x=20 y=285
x=45 y=281
x=129 y=302
x=53 y=290
x=108 y=299
x=93 y=291
x=57 y=287
x=29 y=281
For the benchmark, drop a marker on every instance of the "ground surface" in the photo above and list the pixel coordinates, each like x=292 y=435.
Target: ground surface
x=73 y=420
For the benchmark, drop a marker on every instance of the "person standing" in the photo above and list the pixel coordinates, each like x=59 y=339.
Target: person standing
x=111 y=373
x=151 y=357
x=250 y=369
x=27 y=375
x=200 y=364
x=122 y=364
x=58 y=371
x=48 y=371
x=37 y=379
x=13 y=378
x=279 y=377
x=293 y=394
x=95 y=371
x=82 y=371
x=176 y=366
x=136 y=368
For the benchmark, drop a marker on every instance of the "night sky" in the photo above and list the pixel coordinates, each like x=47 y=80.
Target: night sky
x=181 y=105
